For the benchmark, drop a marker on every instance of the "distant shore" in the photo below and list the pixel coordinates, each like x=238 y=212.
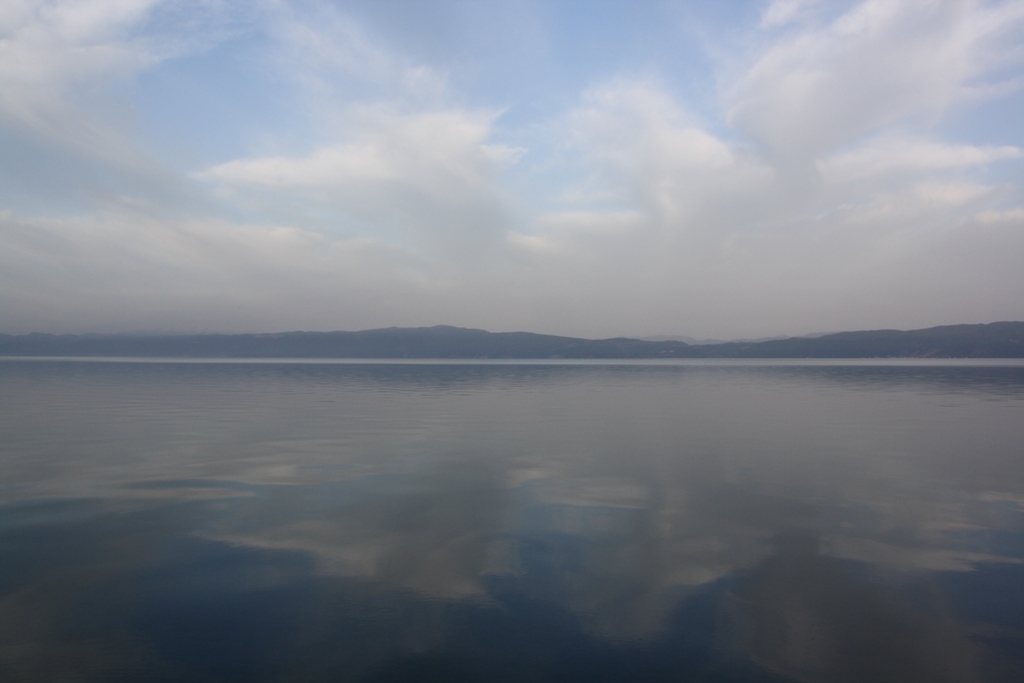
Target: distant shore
x=992 y=340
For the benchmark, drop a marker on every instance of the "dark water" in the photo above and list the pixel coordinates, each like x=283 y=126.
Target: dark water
x=424 y=522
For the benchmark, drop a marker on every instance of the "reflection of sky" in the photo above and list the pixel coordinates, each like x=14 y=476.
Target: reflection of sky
x=803 y=507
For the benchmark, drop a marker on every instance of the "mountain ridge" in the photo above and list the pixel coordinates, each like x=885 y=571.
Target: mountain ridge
x=986 y=340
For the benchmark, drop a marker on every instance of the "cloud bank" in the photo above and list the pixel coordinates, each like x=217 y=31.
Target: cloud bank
x=205 y=165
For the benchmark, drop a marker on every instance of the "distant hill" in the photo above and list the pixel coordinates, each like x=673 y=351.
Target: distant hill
x=693 y=341
x=994 y=340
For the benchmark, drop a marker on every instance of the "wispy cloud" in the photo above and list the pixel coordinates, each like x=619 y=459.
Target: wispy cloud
x=888 y=155
x=875 y=65
x=843 y=182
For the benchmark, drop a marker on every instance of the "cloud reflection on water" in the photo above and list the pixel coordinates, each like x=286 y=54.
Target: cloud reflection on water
x=786 y=514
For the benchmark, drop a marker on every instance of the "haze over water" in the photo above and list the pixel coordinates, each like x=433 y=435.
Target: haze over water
x=511 y=521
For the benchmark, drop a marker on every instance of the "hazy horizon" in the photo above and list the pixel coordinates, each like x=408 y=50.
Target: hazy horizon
x=734 y=170
x=693 y=341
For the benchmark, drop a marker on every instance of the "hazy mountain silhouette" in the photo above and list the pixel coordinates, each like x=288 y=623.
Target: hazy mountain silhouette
x=994 y=340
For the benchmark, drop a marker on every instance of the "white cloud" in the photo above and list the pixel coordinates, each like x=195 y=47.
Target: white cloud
x=126 y=269
x=64 y=65
x=560 y=232
x=535 y=244
x=326 y=168
x=334 y=56
x=881 y=61
x=419 y=147
x=646 y=151
x=825 y=198
x=889 y=154
x=50 y=47
x=429 y=178
x=1015 y=215
x=591 y=221
x=948 y=194
x=783 y=12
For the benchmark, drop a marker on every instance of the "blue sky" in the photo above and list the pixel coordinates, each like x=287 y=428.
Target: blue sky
x=726 y=169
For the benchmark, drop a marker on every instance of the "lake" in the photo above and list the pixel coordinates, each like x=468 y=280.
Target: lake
x=489 y=521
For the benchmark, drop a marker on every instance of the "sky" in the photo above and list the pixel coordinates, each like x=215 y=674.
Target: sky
x=735 y=169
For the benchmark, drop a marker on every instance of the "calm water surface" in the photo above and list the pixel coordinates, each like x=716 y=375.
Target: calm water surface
x=511 y=522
